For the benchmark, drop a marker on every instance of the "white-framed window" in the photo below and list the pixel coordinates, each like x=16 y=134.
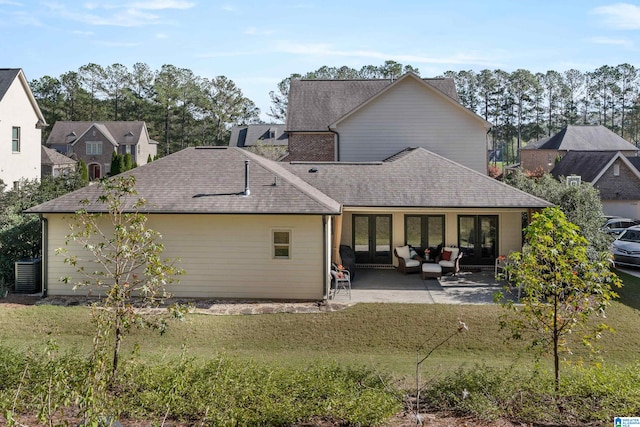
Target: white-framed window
x=281 y=240
x=94 y=148
x=616 y=169
x=15 y=139
x=127 y=149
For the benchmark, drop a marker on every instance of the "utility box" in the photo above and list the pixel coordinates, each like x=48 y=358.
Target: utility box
x=28 y=275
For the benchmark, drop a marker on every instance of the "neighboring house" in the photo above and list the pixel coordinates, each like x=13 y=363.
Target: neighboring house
x=542 y=154
x=615 y=175
x=370 y=120
x=21 y=124
x=95 y=143
x=248 y=227
x=246 y=136
x=55 y=164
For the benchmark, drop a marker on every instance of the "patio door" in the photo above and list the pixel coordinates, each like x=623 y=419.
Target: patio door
x=478 y=239
x=372 y=239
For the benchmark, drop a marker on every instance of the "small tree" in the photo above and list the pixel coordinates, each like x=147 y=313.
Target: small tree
x=130 y=274
x=84 y=172
x=149 y=159
x=117 y=163
x=562 y=288
x=128 y=162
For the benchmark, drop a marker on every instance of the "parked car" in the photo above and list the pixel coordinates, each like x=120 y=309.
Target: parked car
x=626 y=248
x=618 y=225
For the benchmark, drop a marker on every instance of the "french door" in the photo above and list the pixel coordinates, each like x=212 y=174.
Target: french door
x=478 y=238
x=372 y=239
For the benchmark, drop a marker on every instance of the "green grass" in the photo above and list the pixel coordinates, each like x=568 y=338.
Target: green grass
x=383 y=336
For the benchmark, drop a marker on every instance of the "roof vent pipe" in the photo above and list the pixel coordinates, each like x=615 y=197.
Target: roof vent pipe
x=247 y=192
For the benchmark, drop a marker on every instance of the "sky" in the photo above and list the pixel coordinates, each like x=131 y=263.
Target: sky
x=258 y=43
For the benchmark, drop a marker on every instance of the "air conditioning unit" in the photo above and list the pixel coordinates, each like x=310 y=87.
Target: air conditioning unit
x=28 y=275
x=574 y=180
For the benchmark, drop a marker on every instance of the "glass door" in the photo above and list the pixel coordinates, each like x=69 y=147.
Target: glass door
x=478 y=238
x=372 y=239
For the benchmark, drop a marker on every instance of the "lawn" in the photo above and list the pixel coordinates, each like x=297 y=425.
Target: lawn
x=383 y=336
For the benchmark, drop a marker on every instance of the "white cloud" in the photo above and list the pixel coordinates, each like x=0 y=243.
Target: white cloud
x=161 y=36
x=326 y=50
x=10 y=3
x=253 y=31
x=621 y=16
x=611 y=41
x=134 y=14
x=229 y=8
x=117 y=44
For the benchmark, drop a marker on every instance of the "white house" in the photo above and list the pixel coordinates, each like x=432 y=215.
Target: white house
x=21 y=124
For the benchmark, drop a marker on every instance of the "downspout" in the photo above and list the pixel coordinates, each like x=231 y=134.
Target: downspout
x=45 y=258
x=325 y=290
x=337 y=156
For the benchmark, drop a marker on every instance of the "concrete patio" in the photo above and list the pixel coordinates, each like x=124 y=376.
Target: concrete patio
x=391 y=286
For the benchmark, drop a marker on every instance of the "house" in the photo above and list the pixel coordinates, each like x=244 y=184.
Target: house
x=248 y=227
x=615 y=175
x=21 y=122
x=246 y=136
x=54 y=163
x=370 y=120
x=544 y=154
x=95 y=143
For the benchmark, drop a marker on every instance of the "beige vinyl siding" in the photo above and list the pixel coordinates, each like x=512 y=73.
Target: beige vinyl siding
x=411 y=115
x=224 y=256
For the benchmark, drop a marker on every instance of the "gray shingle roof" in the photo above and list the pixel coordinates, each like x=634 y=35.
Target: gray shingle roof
x=315 y=104
x=583 y=138
x=416 y=178
x=211 y=180
x=587 y=164
x=248 y=135
x=51 y=157
x=7 y=76
x=115 y=130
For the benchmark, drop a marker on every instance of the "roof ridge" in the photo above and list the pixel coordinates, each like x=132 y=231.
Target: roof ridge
x=292 y=179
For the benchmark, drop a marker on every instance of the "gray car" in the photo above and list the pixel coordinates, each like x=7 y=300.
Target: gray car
x=626 y=248
x=616 y=226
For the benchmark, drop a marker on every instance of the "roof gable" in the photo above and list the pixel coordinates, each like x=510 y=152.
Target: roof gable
x=587 y=164
x=51 y=157
x=7 y=77
x=424 y=84
x=313 y=105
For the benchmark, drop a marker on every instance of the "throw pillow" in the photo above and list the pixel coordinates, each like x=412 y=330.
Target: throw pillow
x=445 y=256
x=403 y=252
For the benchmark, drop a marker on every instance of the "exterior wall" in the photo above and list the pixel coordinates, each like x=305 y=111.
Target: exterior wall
x=16 y=110
x=509 y=224
x=224 y=256
x=79 y=148
x=530 y=160
x=146 y=149
x=311 y=147
x=625 y=186
x=411 y=115
x=623 y=208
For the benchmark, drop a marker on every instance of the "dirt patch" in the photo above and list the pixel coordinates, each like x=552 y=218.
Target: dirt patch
x=19 y=300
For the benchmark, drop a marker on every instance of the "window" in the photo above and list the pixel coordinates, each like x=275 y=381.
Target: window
x=424 y=231
x=94 y=148
x=15 y=139
x=127 y=149
x=282 y=244
x=616 y=169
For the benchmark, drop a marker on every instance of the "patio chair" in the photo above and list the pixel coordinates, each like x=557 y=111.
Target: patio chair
x=449 y=260
x=408 y=259
x=341 y=280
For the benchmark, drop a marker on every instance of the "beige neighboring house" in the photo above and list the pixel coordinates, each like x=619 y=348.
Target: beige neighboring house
x=56 y=164
x=247 y=227
x=21 y=124
x=95 y=143
x=544 y=154
x=370 y=120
